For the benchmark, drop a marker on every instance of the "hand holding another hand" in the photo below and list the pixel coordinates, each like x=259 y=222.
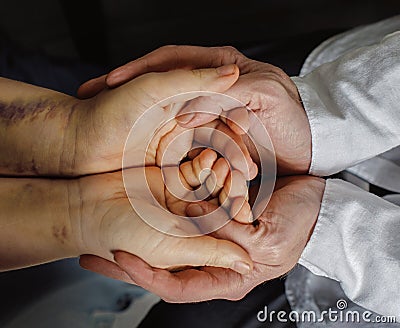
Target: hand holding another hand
x=274 y=244
x=282 y=231
x=264 y=88
x=108 y=223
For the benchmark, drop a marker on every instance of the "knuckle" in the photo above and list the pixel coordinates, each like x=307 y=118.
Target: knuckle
x=280 y=73
x=237 y=295
x=169 y=47
x=231 y=50
x=229 y=55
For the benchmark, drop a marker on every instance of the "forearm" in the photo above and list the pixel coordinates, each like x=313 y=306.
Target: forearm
x=355 y=242
x=352 y=105
x=37 y=221
x=37 y=130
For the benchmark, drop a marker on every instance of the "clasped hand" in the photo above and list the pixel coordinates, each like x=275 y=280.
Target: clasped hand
x=52 y=136
x=276 y=241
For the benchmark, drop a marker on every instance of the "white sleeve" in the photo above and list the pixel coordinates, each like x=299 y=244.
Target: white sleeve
x=353 y=105
x=356 y=242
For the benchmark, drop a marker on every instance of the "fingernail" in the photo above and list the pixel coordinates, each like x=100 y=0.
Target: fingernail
x=253 y=170
x=226 y=70
x=115 y=72
x=186 y=118
x=242 y=267
x=112 y=76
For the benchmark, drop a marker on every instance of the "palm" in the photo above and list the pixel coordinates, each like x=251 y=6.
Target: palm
x=275 y=246
x=108 y=126
x=150 y=230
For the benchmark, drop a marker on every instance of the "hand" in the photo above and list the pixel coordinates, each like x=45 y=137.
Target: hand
x=264 y=88
x=44 y=132
x=103 y=129
x=56 y=218
x=108 y=223
x=275 y=246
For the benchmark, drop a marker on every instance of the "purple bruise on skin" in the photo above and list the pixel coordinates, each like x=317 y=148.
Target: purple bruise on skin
x=23 y=111
x=16 y=111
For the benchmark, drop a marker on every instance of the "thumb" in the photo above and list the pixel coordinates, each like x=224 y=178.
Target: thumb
x=213 y=251
x=209 y=251
x=159 y=86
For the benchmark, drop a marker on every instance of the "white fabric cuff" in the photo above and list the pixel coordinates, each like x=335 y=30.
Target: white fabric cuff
x=355 y=242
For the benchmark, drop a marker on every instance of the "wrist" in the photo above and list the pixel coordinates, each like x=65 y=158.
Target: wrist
x=75 y=158
x=63 y=233
x=99 y=132
x=94 y=211
x=35 y=222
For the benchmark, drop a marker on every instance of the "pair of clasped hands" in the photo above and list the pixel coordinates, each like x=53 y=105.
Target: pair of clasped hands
x=231 y=261
x=89 y=214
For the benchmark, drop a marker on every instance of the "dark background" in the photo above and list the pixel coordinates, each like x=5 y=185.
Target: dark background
x=108 y=33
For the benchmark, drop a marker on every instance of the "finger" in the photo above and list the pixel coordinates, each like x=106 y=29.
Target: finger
x=261 y=241
x=235 y=150
x=209 y=214
x=152 y=149
x=184 y=244
x=238 y=120
x=245 y=235
x=202 y=110
x=216 y=181
x=173 y=146
x=173 y=57
x=235 y=187
x=220 y=137
x=92 y=87
x=176 y=190
x=174 y=204
x=209 y=251
x=161 y=86
x=154 y=180
x=184 y=286
x=256 y=240
x=241 y=210
x=104 y=267
x=195 y=171
x=194 y=152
